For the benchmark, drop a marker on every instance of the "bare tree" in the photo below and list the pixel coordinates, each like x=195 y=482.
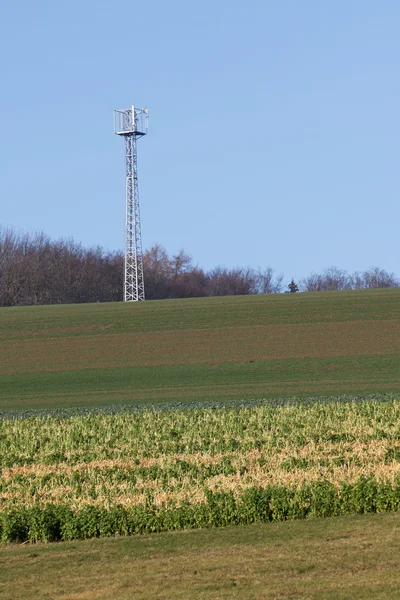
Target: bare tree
x=157 y=273
x=230 y=282
x=267 y=282
x=312 y=283
x=331 y=279
x=338 y=279
x=36 y=270
x=181 y=263
x=190 y=284
x=379 y=278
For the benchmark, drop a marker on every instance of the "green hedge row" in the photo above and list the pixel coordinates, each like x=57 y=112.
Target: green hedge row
x=274 y=503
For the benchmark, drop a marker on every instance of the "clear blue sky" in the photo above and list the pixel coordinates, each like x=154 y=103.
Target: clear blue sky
x=274 y=132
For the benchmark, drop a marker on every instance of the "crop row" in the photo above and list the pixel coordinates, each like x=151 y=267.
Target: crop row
x=273 y=503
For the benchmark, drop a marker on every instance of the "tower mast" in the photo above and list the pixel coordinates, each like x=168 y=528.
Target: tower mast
x=132 y=123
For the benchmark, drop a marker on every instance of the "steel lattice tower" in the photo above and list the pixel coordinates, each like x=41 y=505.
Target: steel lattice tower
x=132 y=123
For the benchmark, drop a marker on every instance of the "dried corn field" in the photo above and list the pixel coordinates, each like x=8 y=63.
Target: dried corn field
x=174 y=459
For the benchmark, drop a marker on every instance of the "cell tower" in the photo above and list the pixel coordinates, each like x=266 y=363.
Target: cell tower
x=132 y=123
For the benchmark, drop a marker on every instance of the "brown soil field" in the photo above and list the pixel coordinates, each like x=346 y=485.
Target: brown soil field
x=202 y=346
x=196 y=349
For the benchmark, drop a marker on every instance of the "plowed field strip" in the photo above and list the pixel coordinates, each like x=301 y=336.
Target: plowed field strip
x=200 y=313
x=202 y=346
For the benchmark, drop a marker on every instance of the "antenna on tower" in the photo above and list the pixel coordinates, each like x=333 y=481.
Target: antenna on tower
x=132 y=123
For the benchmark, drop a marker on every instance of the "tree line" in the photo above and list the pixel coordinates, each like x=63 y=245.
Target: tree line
x=338 y=279
x=35 y=269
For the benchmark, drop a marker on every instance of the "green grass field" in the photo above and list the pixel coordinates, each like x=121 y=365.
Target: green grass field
x=339 y=558
x=200 y=349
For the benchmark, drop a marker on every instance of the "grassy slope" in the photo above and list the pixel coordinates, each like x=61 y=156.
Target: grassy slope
x=337 y=558
x=260 y=346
